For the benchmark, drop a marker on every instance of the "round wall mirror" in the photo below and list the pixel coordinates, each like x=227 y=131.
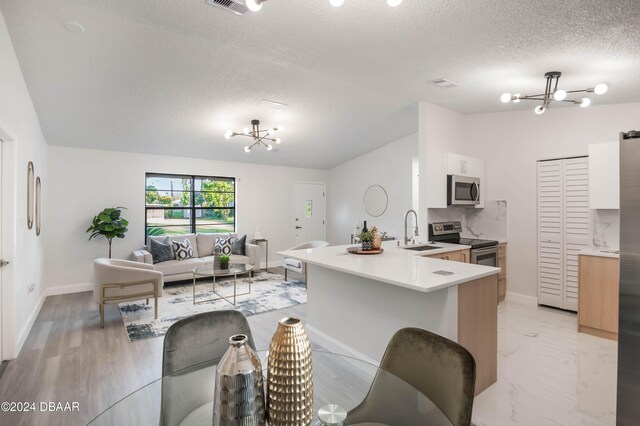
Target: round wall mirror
x=375 y=200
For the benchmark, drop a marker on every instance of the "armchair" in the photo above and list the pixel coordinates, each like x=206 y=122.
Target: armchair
x=122 y=280
x=296 y=265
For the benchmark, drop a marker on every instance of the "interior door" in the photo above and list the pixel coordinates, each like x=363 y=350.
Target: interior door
x=309 y=212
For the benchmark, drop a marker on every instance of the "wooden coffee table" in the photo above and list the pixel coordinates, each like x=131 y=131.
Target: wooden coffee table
x=234 y=270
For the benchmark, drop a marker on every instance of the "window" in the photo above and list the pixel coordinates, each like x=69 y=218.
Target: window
x=177 y=204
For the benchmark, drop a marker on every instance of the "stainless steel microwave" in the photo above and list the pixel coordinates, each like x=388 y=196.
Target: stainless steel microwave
x=462 y=190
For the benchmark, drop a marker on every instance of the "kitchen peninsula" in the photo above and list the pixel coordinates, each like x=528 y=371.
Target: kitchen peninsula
x=356 y=302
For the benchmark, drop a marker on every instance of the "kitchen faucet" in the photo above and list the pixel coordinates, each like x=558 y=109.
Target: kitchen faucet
x=406 y=216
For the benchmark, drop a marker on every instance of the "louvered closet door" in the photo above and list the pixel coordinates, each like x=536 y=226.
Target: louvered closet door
x=577 y=224
x=550 y=233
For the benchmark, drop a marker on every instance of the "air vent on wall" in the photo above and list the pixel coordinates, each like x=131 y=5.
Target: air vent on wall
x=230 y=5
x=443 y=83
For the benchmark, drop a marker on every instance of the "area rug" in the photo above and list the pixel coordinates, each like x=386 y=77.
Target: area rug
x=269 y=292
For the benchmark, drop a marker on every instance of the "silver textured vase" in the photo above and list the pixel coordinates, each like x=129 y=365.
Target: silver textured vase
x=239 y=387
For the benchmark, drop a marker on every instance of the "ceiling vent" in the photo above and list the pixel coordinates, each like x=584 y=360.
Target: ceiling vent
x=230 y=5
x=443 y=83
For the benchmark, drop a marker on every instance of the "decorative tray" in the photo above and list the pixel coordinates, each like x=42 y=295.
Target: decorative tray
x=358 y=250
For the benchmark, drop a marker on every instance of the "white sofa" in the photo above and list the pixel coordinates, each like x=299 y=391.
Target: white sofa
x=203 y=246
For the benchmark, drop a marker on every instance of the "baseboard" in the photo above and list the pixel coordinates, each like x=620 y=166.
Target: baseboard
x=22 y=337
x=522 y=298
x=68 y=289
x=337 y=347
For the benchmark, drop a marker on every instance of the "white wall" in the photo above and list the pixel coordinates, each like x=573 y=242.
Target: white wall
x=20 y=246
x=82 y=182
x=391 y=167
x=512 y=142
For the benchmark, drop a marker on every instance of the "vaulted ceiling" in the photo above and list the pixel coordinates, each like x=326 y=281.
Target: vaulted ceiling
x=169 y=77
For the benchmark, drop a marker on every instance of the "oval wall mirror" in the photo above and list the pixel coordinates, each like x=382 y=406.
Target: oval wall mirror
x=30 y=194
x=38 y=205
x=375 y=200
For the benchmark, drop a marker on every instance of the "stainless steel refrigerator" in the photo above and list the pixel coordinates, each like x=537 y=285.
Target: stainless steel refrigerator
x=628 y=412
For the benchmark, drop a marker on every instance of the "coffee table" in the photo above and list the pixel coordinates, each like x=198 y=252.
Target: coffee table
x=234 y=270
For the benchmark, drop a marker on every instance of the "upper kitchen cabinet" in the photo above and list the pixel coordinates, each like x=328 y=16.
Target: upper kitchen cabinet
x=604 y=175
x=452 y=164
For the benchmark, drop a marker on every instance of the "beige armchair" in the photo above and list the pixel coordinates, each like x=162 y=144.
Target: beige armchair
x=296 y=265
x=118 y=281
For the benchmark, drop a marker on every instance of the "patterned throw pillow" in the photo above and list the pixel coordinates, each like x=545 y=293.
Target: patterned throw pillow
x=224 y=244
x=183 y=250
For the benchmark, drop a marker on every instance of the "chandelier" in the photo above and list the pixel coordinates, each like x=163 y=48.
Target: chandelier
x=552 y=93
x=258 y=135
x=256 y=5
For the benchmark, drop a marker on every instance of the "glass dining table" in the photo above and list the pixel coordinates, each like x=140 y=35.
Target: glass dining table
x=186 y=397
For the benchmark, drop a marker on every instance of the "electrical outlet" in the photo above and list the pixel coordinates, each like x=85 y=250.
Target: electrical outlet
x=32 y=287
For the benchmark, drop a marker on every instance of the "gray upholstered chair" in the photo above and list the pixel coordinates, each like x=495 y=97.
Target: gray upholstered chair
x=189 y=345
x=439 y=368
x=116 y=281
x=296 y=265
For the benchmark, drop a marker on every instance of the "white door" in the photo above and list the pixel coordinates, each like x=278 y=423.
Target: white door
x=309 y=212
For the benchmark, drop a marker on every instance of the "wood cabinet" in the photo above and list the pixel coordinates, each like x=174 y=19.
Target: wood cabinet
x=598 y=296
x=502 y=277
x=604 y=175
x=456 y=256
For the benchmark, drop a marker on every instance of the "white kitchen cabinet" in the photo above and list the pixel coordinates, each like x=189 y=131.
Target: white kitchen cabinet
x=604 y=175
x=452 y=164
x=564 y=228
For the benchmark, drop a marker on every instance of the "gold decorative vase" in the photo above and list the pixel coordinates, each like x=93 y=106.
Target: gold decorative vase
x=290 y=376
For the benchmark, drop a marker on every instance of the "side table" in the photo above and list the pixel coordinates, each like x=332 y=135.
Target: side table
x=258 y=241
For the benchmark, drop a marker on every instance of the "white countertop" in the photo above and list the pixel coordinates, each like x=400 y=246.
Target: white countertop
x=600 y=252
x=397 y=266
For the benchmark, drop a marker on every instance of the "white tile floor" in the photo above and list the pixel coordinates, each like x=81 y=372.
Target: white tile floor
x=548 y=373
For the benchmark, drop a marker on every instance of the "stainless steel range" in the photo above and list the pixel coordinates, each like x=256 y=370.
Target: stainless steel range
x=483 y=252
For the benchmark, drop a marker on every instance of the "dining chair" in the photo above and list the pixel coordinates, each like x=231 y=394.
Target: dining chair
x=116 y=281
x=296 y=265
x=442 y=370
x=190 y=344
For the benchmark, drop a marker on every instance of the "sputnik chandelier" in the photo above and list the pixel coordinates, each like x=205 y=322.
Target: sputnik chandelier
x=552 y=93
x=256 y=5
x=258 y=135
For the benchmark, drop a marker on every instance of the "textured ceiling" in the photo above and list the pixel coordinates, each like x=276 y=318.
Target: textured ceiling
x=169 y=77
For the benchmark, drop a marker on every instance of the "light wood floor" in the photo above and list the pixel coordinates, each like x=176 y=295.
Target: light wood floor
x=67 y=357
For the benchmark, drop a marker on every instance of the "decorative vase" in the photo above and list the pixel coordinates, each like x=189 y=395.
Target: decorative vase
x=377 y=243
x=366 y=245
x=290 y=376
x=239 y=388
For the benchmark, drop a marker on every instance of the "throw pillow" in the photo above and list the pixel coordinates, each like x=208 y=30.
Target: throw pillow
x=238 y=246
x=161 y=251
x=224 y=244
x=183 y=250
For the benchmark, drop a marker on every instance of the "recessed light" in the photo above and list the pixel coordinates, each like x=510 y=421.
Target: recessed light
x=443 y=83
x=73 y=27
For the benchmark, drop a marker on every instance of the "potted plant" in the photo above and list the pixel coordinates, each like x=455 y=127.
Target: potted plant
x=109 y=224
x=366 y=237
x=224 y=261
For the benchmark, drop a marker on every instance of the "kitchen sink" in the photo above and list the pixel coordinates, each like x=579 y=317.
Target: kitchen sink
x=422 y=248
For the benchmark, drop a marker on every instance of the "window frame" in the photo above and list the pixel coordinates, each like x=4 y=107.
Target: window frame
x=192 y=199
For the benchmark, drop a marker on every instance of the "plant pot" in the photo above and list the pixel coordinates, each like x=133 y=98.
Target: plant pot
x=224 y=265
x=367 y=245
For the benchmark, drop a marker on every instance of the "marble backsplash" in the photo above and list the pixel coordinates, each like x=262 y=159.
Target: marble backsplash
x=606 y=229
x=488 y=223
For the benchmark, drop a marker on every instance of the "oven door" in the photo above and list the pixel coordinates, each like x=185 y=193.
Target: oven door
x=462 y=190
x=485 y=256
